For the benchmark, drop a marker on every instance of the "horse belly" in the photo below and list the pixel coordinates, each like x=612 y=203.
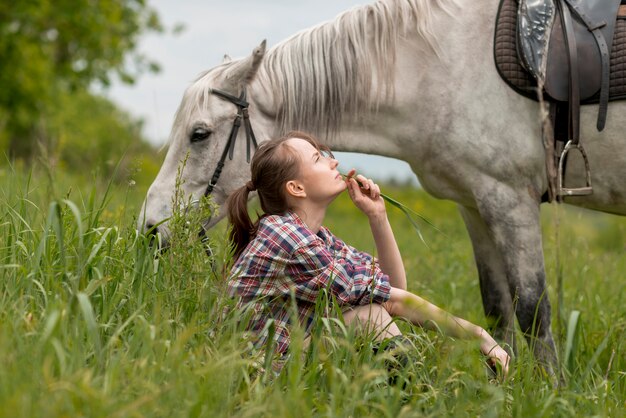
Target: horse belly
x=474 y=139
x=606 y=151
x=470 y=129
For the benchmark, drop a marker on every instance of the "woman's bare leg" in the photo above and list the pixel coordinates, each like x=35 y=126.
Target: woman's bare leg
x=372 y=318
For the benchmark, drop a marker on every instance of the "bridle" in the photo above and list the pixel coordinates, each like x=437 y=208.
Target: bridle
x=242 y=113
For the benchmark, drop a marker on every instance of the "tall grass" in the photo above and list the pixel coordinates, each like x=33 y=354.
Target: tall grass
x=94 y=322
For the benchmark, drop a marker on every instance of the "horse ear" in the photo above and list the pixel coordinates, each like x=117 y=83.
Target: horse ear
x=226 y=59
x=243 y=72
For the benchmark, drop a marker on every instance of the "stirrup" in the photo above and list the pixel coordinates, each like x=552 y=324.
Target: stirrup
x=578 y=191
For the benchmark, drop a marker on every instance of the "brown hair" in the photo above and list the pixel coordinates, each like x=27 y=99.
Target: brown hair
x=273 y=164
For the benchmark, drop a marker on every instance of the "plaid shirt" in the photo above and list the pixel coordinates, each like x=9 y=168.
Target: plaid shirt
x=285 y=256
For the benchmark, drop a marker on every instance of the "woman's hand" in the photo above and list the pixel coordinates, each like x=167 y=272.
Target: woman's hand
x=365 y=194
x=497 y=355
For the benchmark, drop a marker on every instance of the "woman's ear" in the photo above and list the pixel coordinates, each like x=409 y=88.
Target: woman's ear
x=295 y=189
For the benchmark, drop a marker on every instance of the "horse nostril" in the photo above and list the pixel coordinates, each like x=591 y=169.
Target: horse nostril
x=151 y=229
x=151 y=233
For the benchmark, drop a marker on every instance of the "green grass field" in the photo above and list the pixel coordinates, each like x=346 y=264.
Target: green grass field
x=93 y=324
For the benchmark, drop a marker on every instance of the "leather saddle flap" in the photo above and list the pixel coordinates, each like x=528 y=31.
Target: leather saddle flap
x=589 y=58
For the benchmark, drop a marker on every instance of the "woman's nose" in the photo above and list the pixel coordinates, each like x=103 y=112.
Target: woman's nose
x=334 y=163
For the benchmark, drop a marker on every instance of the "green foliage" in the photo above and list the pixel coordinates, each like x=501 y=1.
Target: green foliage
x=89 y=134
x=48 y=48
x=95 y=322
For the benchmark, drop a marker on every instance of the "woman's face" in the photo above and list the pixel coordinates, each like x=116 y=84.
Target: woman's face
x=318 y=172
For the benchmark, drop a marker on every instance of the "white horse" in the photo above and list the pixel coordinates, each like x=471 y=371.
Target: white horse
x=414 y=80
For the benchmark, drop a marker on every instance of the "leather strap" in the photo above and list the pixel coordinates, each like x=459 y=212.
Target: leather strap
x=242 y=113
x=605 y=55
x=230 y=146
x=250 y=137
x=237 y=101
x=574 y=87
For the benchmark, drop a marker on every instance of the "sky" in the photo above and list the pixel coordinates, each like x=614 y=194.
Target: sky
x=213 y=28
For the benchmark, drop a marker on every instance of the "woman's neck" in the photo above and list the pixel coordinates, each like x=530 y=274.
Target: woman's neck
x=313 y=217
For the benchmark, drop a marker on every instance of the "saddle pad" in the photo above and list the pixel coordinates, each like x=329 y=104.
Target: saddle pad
x=515 y=75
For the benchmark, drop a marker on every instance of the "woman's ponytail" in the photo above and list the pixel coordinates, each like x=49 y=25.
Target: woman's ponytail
x=242 y=227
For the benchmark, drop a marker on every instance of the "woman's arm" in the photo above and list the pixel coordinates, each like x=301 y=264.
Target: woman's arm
x=387 y=250
x=367 y=198
x=421 y=312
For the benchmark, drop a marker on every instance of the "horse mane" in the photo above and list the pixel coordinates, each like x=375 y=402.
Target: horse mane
x=341 y=68
x=334 y=71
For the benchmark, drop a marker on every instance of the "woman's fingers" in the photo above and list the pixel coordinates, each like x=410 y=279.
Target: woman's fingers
x=351 y=173
x=352 y=184
x=375 y=191
x=497 y=355
x=354 y=189
x=502 y=357
x=368 y=185
x=363 y=181
x=505 y=363
x=364 y=192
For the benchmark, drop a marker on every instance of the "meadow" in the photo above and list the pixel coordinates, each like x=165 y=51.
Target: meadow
x=95 y=323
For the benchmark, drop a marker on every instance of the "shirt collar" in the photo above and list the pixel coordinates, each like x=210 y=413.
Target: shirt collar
x=293 y=216
x=323 y=233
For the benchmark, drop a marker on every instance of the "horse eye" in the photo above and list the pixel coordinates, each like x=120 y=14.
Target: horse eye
x=199 y=134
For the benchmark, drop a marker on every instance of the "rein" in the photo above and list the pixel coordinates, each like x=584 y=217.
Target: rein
x=242 y=113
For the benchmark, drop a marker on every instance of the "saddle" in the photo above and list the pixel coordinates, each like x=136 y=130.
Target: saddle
x=560 y=52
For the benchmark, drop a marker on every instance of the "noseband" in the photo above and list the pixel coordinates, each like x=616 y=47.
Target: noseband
x=242 y=113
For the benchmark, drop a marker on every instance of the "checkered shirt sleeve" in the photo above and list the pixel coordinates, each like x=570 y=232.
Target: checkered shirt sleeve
x=287 y=255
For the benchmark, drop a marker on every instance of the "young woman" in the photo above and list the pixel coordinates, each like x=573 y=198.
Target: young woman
x=288 y=255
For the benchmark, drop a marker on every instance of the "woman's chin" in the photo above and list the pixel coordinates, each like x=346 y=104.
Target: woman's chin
x=340 y=190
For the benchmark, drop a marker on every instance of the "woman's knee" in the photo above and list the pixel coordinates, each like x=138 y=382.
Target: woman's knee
x=365 y=313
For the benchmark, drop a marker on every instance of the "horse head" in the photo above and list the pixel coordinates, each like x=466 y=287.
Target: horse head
x=205 y=129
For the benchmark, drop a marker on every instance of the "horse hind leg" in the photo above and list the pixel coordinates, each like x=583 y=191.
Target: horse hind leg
x=494 y=289
x=512 y=219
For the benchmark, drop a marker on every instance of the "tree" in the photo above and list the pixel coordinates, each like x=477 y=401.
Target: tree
x=89 y=135
x=51 y=47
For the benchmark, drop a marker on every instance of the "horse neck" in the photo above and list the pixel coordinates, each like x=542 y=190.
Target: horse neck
x=263 y=108
x=372 y=129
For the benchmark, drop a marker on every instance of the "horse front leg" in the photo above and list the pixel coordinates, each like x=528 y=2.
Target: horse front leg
x=513 y=225
x=494 y=288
